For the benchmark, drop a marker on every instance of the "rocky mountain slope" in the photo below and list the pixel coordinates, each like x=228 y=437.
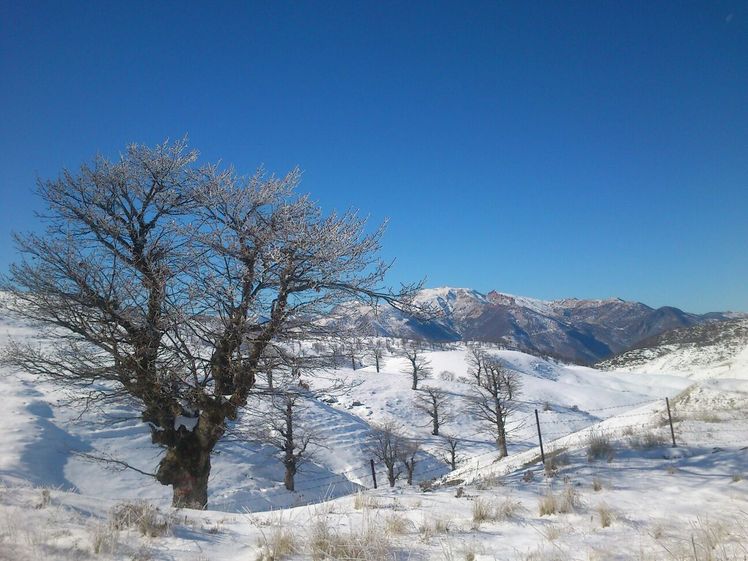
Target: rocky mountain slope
x=582 y=331
x=709 y=350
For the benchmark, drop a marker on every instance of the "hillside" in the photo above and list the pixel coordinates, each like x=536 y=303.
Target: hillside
x=57 y=504
x=708 y=350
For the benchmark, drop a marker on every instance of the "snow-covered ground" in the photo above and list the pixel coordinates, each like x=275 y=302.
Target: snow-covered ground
x=639 y=499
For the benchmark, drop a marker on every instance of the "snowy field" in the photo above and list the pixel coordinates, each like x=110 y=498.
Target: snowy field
x=613 y=487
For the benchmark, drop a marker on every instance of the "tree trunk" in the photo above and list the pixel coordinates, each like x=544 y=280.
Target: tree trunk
x=415 y=379
x=501 y=439
x=391 y=475
x=288 y=478
x=186 y=467
x=435 y=419
x=376 y=362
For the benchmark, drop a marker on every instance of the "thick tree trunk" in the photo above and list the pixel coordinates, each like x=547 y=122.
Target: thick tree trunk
x=435 y=420
x=186 y=464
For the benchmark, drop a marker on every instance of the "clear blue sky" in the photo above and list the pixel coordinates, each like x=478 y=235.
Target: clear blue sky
x=587 y=149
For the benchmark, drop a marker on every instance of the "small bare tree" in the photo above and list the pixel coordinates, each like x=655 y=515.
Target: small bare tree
x=450 y=448
x=434 y=402
x=419 y=367
x=354 y=350
x=409 y=458
x=387 y=445
x=276 y=421
x=494 y=400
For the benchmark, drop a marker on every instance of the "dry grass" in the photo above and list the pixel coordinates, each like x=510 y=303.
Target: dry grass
x=599 y=446
x=547 y=505
x=605 y=514
x=597 y=484
x=433 y=526
x=369 y=542
x=140 y=515
x=397 y=525
x=362 y=501
x=279 y=543
x=482 y=510
x=646 y=440
x=104 y=539
x=566 y=502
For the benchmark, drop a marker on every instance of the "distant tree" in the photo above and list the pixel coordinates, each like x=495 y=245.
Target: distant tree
x=450 y=447
x=354 y=350
x=435 y=403
x=409 y=458
x=388 y=446
x=475 y=360
x=165 y=283
x=377 y=351
x=494 y=400
x=419 y=367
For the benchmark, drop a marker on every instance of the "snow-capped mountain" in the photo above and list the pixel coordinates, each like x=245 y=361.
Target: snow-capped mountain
x=583 y=331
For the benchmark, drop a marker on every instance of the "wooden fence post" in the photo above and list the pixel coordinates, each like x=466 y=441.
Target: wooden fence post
x=540 y=436
x=670 y=420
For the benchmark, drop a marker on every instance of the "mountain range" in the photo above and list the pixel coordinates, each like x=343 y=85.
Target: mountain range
x=571 y=329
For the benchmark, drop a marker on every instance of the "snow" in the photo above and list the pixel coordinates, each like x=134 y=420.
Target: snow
x=659 y=497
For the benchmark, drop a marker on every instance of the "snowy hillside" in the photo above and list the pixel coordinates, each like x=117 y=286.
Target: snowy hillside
x=704 y=351
x=56 y=503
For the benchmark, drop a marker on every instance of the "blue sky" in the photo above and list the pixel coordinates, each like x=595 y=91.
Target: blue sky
x=546 y=149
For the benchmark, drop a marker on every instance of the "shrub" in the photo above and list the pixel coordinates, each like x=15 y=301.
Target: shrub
x=447 y=376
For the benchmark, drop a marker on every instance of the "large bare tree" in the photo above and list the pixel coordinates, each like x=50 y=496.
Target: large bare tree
x=164 y=282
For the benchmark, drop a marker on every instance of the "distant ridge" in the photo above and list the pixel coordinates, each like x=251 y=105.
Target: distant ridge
x=571 y=329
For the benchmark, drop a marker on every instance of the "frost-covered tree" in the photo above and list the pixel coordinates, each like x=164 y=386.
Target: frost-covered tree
x=165 y=283
x=494 y=400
